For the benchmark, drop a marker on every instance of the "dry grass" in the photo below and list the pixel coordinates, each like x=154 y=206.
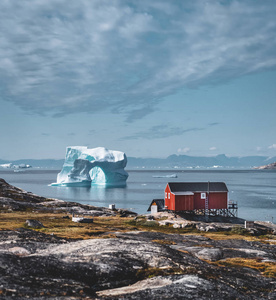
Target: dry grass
x=267 y=269
x=164 y=242
x=55 y=223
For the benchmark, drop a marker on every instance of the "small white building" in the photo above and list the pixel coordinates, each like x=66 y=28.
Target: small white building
x=156 y=206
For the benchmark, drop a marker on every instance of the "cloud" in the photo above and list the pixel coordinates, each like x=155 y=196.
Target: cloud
x=213 y=148
x=213 y=124
x=184 y=150
x=161 y=131
x=272 y=147
x=62 y=57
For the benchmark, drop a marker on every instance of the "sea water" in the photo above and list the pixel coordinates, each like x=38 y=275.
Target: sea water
x=254 y=190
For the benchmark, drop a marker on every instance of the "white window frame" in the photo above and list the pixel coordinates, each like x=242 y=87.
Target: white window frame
x=166 y=195
x=203 y=195
x=169 y=195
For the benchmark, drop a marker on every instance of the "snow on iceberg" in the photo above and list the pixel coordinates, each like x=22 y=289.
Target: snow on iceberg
x=99 y=166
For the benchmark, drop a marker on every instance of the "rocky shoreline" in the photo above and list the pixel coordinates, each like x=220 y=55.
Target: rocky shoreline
x=136 y=264
x=271 y=166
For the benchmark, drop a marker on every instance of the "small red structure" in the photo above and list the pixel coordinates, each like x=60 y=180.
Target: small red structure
x=192 y=196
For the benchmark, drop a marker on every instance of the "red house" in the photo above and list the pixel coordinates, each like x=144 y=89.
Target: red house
x=189 y=196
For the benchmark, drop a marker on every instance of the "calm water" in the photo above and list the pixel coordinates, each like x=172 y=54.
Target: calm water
x=255 y=190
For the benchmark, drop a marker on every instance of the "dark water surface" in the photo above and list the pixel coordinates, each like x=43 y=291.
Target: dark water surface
x=255 y=190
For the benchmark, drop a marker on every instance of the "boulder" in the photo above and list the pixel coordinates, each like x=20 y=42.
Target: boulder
x=34 y=223
x=177 y=225
x=210 y=228
x=211 y=254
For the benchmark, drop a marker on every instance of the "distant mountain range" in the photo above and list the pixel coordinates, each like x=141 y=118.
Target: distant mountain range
x=185 y=161
x=173 y=161
x=37 y=163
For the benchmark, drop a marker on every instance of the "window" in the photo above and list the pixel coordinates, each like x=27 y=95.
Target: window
x=203 y=195
x=169 y=195
x=166 y=195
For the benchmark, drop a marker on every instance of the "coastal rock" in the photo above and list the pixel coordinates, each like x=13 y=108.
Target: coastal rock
x=15 y=199
x=33 y=264
x=267 y=167
x=128 y=265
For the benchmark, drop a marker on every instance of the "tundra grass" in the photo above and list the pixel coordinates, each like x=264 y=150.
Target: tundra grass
x=104 y=227
x=267 y=269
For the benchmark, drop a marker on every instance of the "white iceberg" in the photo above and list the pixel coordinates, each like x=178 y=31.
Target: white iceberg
x=165 y=176
x=6 y=166
x=97 y=166
x=12 y=166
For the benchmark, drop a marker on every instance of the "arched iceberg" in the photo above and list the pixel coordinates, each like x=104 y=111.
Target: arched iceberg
x=99 y=166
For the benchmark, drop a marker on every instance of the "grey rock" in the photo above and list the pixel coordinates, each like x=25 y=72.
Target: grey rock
x=177 y=225
x=210 y=254
x=34 y=223
x=38 y=266
x=33 y=264
x=210 y=228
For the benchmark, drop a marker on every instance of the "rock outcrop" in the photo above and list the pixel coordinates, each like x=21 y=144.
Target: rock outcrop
x=267 y=167
x=133 y=265
x=16 y=199
x=127 y=265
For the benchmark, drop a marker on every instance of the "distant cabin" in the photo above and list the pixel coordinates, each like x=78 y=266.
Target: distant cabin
x=190 y=196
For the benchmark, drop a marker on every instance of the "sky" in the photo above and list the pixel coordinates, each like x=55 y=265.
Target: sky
x=150 y=78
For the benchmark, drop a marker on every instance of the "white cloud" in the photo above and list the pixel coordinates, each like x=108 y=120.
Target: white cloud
x=213 y=148
x=272 y=147
x=183 y=150
x=63 y=57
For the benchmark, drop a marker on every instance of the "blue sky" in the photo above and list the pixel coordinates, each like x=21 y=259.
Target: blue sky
x=150 y=78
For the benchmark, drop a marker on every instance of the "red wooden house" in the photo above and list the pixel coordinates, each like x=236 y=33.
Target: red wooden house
x=189 y=196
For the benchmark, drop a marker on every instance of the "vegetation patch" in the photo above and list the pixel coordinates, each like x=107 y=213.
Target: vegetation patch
x=150 y=224
x=164 y=242
x=61 y=225
x=239 y=230
x=267 y=269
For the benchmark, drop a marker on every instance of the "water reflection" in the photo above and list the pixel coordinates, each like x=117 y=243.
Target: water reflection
x=255 y=191
x=95 y=195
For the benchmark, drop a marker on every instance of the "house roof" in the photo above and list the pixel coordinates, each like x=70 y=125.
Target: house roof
x=197 y=187
x=159 y=202
x=183 y=193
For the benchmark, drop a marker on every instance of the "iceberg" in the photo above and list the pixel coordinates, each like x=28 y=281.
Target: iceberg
x=97 y=166
x=165 y=176
x=12 y=166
